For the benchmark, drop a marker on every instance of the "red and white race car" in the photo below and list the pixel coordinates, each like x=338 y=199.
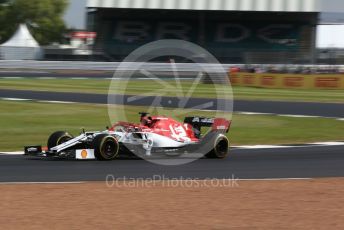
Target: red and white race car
x=154 y=135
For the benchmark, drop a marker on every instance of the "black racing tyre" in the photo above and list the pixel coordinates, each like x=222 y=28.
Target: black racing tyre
x=221 y=147
x=106 y=147
x=58 y=138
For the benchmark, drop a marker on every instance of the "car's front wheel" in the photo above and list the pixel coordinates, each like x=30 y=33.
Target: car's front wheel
x=58 y=138
x=106 y=147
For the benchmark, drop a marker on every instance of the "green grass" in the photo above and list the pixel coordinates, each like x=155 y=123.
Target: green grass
x=168 y=88
x=27 y=123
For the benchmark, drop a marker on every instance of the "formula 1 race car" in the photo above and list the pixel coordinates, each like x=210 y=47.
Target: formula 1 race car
x=154 y=135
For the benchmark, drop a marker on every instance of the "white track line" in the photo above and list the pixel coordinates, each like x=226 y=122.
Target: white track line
x=40 y=101
x=307 y=145
x=46 y=78
x=289 y=115
x=145 y=78
x=274 y=179
x=15 y=99
x=263 y=147
x=297 y=116
x=14 y=71
x=12 y=153
x=23 y=183
x=333 y=143
x=57 y=102
x=254 y=113
x=12 y=78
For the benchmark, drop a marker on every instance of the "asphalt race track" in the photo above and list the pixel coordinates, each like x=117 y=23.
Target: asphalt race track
x=184 y=75
x=48 y=74
x=299 y=162
x=294 y=108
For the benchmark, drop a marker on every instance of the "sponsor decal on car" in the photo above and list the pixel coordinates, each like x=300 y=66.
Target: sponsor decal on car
x=84 y=154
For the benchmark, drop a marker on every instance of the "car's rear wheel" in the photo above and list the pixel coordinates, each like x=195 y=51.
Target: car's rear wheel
x=106 y=147
x=58 y=138
x=221 y=147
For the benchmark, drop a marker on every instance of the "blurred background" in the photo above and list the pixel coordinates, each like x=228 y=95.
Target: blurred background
x=248 y=32
x=280 y=55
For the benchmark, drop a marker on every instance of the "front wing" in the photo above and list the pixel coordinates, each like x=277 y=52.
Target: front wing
x=79 y=154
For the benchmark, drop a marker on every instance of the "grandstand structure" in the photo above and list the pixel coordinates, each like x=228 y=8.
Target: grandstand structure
x=235 y=31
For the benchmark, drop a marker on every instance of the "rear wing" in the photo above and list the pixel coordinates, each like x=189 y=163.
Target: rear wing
x=216 y=124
